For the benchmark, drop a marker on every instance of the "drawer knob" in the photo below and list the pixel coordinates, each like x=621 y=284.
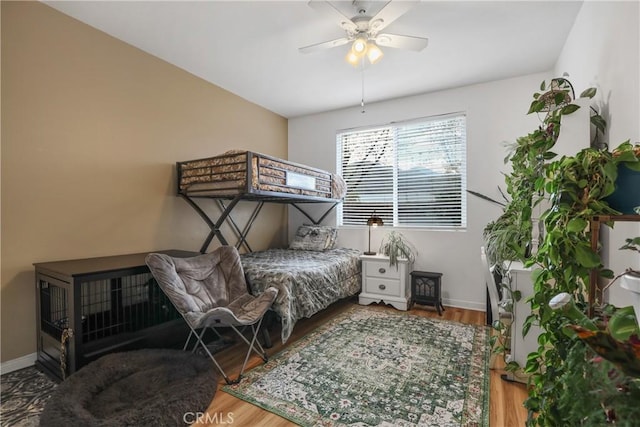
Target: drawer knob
x=382 y=287
x=382 y=270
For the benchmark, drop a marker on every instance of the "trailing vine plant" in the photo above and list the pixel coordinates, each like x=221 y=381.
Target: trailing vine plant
x=576 y=188
x=509 y=237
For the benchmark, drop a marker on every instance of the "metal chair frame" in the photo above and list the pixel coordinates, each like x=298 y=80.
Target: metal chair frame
x=255 y=328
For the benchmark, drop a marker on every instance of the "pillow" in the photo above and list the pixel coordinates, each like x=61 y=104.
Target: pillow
x=314 y=238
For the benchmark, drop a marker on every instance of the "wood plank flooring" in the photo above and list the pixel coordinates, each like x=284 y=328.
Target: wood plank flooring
x=506 y=398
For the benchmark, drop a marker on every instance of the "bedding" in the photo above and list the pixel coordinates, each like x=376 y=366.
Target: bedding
x=314 y=238
x=256 y=175
x=307 y=281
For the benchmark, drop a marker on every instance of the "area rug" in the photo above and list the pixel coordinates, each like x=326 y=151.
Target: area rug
x=372 y=367
x=152 y=387
x=24 y=394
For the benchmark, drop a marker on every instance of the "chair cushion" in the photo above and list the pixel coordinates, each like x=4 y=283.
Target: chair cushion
x=209 y=288
x=245 y=310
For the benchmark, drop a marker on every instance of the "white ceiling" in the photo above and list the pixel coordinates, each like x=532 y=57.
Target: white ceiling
x=250 y=48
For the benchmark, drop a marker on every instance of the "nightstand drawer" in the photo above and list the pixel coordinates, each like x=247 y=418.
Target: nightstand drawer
x=381 y=269
x=379 y=286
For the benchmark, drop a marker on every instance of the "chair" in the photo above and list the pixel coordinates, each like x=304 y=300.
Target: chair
x=500 y=307
x=210 y=291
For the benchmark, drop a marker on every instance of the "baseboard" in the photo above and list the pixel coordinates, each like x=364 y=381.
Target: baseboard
x=19 y=363
x=469 y=305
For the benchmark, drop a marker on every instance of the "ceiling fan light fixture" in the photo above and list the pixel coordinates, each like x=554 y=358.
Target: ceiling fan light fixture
x=359 y=46
x=352 y=58
x=374 y=53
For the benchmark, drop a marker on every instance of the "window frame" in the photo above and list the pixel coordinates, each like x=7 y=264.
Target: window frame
x=394 y=126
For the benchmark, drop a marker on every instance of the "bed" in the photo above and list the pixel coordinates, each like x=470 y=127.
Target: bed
x=312 y=273
x=307 y=281
x=256 y=176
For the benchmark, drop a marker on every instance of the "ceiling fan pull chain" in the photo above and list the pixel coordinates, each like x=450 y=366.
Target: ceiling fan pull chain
x=362 y=99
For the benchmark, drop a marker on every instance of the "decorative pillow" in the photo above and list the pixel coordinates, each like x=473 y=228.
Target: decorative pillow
x=314 y=238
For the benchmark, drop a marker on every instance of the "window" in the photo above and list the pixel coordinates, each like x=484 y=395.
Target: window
x=411 y=174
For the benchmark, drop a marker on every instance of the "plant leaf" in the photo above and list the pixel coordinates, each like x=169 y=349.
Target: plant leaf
x=610 y=171
x=606 y=273
x=634 y=166
x=598 y=122
x=626 y=156
x=559 y=97
x=586 y=257
x=588 y=93
x=568 y=109
x=623 y=324
x=576 y=225
x=536 y=106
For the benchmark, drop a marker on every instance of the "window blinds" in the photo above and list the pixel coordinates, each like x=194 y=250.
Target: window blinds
x=410 y=174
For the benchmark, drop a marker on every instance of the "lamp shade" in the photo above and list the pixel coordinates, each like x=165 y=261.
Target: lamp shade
x=374 y=53
x=353 y=59
x=359 y=45
x=375 y=221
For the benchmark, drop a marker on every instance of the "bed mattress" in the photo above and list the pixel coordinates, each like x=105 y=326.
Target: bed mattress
x=258 y=175
x=307 y=281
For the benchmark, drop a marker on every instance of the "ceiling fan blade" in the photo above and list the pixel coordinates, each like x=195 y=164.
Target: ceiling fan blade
x=389 y=13
x=330 y=10
x=324 y=45
x=402 y=42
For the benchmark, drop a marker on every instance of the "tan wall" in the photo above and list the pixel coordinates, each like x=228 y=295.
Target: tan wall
x=91 y=131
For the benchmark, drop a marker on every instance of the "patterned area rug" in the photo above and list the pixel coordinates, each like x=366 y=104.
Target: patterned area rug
x=24 y=395
x=371 y=367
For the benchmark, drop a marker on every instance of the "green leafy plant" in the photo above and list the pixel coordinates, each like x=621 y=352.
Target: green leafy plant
x=602 y=368
x=596 y=392
x=509 y=236
x=575 y=189
x=396 y=247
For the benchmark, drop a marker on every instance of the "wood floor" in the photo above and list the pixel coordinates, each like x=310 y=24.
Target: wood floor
x=506 y=398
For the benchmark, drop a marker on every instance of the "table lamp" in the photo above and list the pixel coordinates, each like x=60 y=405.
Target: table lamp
x=373 y=221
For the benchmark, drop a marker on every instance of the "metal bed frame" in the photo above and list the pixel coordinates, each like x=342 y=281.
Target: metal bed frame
x=241 y=233
x=227 y=202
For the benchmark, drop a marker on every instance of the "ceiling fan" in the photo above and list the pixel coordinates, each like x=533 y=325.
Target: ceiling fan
x=364 y=30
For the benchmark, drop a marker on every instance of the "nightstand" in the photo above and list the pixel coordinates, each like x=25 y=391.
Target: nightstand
x=382 y=282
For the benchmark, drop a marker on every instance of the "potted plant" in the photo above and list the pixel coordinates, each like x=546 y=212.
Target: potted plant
x=510 y=236
x=626 y=198
x=396 y=247
x=602 y=368
x=575 y=189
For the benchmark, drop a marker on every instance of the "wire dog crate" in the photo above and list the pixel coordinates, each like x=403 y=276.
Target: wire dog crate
x=87 y=308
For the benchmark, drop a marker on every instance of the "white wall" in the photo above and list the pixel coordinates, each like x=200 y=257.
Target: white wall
x=603 y=51
x=496 y=113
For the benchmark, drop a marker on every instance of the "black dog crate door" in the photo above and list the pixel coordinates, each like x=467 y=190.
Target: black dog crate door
x=91 y=307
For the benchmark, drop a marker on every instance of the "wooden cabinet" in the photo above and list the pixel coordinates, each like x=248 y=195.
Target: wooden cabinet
x=90 y=307
x=386 y=283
